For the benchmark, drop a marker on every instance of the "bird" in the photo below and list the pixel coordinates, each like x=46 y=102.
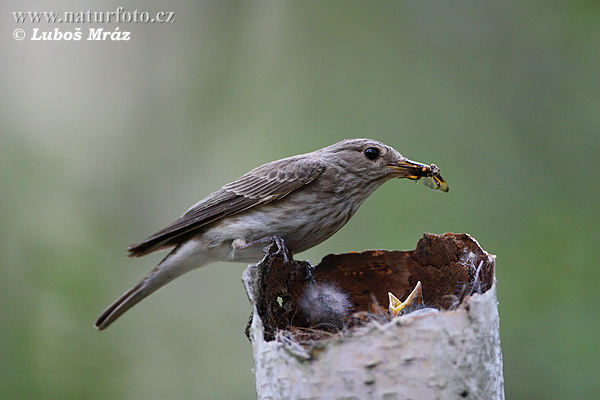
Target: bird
x=325 y=305
x=295 y=202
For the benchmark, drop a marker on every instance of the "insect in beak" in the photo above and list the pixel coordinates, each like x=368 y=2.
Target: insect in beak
x=415 y=171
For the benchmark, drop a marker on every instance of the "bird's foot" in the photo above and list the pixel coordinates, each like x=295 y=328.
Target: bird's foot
x=282 y=249
x=268 y=241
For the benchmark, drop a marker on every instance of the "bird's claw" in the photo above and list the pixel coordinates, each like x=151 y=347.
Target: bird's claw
x=268 y=241
x=282 y=250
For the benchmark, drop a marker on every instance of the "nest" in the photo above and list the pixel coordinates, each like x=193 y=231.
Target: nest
x=450 y=267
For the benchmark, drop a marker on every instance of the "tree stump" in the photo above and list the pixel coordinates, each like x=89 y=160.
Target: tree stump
x=449 y=349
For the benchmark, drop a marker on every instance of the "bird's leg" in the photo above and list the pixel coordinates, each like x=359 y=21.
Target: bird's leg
x=268 y=240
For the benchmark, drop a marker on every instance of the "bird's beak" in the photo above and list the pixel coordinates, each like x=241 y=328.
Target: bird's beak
x=415 y=170
x=409 y=169
x=414 y=298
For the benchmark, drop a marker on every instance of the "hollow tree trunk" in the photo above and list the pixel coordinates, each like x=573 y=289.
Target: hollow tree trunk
x=452 y=353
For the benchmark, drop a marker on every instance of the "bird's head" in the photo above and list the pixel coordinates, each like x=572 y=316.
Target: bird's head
x=373 y=161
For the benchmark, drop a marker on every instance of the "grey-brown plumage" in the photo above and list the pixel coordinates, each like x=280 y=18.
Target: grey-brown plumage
x=302 y=199
x=262 y=185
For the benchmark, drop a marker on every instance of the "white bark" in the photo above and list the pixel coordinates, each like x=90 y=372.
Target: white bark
x=432 y=355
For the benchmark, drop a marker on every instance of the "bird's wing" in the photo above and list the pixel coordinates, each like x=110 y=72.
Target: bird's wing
x=264 y=184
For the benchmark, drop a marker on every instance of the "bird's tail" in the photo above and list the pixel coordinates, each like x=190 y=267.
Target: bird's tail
x=168 y=269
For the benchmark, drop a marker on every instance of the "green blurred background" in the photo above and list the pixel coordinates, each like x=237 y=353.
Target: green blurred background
x=103 y=143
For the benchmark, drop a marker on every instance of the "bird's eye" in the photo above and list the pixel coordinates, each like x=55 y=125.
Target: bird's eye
x=372 y=153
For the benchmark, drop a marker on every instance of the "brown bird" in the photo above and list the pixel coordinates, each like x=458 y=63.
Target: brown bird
x=296 y=202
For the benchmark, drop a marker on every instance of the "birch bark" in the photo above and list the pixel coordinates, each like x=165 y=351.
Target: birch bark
x=429 y=354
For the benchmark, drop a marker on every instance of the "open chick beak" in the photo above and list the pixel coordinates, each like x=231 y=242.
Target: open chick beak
x=415 y=170
x=414 y=300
